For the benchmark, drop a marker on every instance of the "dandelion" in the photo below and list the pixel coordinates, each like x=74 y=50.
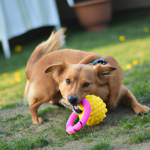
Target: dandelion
x=18 y=79
x=17 y=73
x=135 y=62
x=18 y=48
x=145 y=29
x=5 y=74
x=121 y=38
x=129 y=66
x=12 y=82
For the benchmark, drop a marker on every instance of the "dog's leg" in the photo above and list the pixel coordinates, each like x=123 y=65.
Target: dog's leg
x=90 y=58
x=126 y=97
x=33 y=109
x=56 y=98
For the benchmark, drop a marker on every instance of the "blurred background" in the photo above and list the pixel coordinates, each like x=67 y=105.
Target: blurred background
x=122 y=30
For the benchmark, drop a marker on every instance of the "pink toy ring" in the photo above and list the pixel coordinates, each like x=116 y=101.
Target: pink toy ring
x=81 y=123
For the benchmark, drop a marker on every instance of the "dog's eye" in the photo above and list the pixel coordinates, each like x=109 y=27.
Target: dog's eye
x=86 y=84
x=68 y=81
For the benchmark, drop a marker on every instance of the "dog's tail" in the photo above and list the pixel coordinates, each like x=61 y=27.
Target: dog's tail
x=53 y=43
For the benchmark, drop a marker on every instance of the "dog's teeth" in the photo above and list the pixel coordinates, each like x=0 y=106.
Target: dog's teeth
x=75 y=107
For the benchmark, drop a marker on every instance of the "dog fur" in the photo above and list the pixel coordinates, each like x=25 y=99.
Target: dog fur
x=48 y=68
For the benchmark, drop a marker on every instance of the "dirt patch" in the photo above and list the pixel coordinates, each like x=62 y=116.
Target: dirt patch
x=53 y=129
x=73 y=145
x=118 y=113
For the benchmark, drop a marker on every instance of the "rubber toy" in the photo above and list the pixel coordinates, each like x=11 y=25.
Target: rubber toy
x=92 y=111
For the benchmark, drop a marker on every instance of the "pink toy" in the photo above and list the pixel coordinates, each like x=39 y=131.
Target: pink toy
x=73 y=129
x=91 y=111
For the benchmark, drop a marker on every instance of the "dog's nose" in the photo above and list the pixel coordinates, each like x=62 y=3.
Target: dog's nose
x=72 y=99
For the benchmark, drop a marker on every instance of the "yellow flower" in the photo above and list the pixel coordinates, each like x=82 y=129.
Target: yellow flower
x=18 y=48
x=121 y=38
x=129 y=66
x=145 y=29
x=135 y=62
x=18 y=79
x=5 y=74
x=12 y=82
x=17 y=73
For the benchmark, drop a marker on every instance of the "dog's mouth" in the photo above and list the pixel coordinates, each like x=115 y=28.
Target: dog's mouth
x=76 y=109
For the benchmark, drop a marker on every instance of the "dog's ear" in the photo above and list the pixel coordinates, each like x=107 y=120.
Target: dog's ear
x=103 y=69
x=57 y=69
x=103 y=72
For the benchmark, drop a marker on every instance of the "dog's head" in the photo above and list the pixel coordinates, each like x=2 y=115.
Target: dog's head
x=78 y=80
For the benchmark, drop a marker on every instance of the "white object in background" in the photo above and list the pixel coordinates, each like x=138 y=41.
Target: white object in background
x=3 y=34
x=20 y=16
x=70 y=2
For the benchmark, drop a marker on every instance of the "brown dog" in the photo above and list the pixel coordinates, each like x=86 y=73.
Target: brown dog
x=67 y=75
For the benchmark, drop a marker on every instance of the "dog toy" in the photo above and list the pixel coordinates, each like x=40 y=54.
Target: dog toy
x=92 y=110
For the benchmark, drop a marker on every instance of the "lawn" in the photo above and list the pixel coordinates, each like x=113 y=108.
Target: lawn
x=120 y=130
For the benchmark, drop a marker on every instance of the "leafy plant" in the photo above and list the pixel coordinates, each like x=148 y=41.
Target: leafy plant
x=102 y=145
x=128 y=125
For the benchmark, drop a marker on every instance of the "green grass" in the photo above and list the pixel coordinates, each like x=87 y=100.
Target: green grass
x=140 y=137
x=16 y=128
x=135 y=46
x=25 y=143
x=53 y=134
x=102 y=146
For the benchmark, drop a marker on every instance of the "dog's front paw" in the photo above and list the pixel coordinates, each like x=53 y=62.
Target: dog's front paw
x=141 y=110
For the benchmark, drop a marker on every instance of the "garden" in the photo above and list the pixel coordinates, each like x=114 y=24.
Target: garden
x=128 y=40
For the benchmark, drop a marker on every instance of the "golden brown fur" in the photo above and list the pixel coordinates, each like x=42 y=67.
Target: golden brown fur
x=48 y=69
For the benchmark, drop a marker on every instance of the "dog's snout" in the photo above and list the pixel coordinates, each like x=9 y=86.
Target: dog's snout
x=72 y=100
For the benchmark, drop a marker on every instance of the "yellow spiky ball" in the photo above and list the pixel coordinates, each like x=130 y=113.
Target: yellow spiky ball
x=98 y=110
